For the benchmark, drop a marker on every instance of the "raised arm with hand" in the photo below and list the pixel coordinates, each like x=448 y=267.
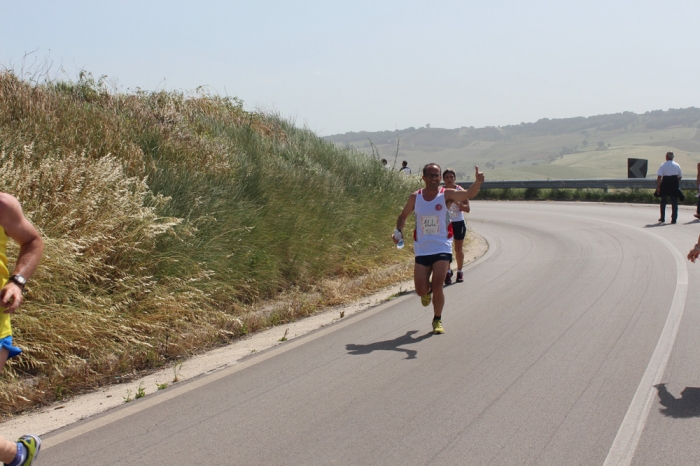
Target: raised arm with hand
x=454 y=195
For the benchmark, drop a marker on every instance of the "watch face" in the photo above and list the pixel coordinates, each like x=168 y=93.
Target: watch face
x=19 y=279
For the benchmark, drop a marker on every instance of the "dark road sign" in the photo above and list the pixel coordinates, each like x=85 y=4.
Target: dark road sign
x=637 y=168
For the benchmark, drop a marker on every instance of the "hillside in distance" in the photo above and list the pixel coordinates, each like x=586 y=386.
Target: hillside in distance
x=566 y=148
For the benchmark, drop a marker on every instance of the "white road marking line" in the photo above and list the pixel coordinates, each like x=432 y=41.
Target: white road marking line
x=625 y=444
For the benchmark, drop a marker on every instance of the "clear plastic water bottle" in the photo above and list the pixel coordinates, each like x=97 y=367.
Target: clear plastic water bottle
x=398 y=236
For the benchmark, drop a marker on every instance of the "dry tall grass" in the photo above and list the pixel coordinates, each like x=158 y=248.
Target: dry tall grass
x=168 y=219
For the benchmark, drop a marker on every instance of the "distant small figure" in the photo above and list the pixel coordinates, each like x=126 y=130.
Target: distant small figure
x=385 y=163
x=404 y=168
x=668 y=181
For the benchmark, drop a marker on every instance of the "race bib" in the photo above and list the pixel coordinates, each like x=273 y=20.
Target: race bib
x=429 y=225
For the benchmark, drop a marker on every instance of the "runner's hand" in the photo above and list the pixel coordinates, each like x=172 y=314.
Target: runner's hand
x=693 y=254
x=10 y=298
x=479 y=176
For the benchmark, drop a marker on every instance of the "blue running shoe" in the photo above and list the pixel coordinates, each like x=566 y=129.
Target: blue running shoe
x=33 y=444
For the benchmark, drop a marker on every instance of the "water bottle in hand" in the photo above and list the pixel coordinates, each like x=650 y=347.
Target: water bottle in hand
x=399 y=237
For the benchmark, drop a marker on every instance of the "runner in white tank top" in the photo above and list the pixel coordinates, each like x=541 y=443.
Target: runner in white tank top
x=459 y=225
x=433 y=233
x=432 y=236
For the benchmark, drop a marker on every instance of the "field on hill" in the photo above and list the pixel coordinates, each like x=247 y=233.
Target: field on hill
x=574 y=148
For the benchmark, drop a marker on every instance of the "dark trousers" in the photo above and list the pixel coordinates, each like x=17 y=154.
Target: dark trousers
x=698 y=209
x=674 y=207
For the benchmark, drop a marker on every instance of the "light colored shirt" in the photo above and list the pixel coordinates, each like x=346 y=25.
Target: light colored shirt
x=456 y=214
x=670 y=168
x=433 y=233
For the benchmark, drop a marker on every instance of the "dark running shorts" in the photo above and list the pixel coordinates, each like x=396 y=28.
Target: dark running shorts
x=433 y=258
x=460 y=229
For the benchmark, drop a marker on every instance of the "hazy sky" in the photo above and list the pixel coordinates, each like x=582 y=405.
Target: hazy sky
x=338 y=66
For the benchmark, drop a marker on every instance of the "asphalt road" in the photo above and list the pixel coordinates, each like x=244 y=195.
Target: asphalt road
x=553 y=346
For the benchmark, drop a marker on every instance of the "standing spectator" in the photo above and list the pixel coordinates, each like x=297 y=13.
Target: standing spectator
x=385 y=164
x=13 y=224
x=668 y=181
x=404 y=168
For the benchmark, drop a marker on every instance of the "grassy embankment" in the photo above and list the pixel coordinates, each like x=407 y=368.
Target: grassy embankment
x=171 y=221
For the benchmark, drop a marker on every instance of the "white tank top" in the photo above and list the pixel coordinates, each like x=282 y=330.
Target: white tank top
x=433 y=233
x=456 y=215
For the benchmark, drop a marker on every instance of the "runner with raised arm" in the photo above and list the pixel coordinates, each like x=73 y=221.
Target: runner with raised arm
x=459 y=225
x=433 y=235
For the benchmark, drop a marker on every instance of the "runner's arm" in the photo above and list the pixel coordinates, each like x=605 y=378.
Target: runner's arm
x=695 y=252
x=31 y=247
x=463 y=205
x=462 y=195
x=408 y=208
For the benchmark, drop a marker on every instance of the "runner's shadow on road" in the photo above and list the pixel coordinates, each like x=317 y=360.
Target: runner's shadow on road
x=688 y=405
x=653 y=225
x=390 y=345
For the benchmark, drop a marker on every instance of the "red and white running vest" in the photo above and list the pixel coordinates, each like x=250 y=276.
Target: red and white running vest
x=433 y=233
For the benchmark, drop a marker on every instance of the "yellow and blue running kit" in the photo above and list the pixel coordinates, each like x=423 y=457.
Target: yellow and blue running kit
x=5 y=326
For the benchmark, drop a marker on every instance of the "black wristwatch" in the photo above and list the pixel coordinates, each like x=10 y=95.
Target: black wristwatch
x=18 y=280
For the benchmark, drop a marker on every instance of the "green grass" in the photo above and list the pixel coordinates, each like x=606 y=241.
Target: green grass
x=168 y=218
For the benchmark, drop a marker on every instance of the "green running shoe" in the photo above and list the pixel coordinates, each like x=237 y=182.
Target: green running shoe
x=33 y=444
x=425 y=300
x=437 y=327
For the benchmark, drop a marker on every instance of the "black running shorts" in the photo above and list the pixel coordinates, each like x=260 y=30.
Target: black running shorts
x=428 y=261
x=459 y=229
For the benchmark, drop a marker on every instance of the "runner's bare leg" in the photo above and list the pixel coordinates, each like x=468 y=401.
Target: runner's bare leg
x=421 y=279
x=8 y=450
x=439 y=274
x=459 y=253
x=4 y=354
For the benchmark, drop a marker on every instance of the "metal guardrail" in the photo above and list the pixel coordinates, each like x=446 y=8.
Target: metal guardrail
x=621 y=183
